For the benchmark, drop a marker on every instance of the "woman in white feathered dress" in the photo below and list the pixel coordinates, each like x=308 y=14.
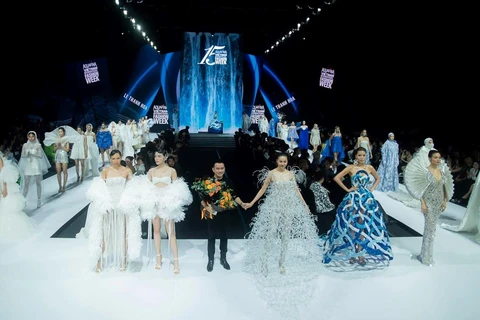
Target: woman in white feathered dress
x=34 y=164
x=14 y=222
x=113 y=223
x=168 y=199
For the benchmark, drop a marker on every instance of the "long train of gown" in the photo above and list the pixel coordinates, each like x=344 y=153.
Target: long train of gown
x=471 y=219
x=358 y=230
x=14 y=222
x=283 y=233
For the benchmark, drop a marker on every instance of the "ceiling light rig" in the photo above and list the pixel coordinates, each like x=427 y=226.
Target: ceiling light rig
x=315 y=12
x=136 y=26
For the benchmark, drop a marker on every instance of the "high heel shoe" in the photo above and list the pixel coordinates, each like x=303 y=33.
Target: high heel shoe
x=158 y=265
x=176 y=269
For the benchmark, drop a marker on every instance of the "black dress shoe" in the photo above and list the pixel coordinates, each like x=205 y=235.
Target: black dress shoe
x=210 y=265
x=224 y=263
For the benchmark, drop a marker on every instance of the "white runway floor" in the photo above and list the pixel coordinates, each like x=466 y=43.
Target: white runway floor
x=47 y=278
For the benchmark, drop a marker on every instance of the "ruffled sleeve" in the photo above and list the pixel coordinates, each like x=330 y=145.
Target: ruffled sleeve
x=416 y=180
x=261 y=175
x=177 y=195
x=449 y=185
x=99 y=196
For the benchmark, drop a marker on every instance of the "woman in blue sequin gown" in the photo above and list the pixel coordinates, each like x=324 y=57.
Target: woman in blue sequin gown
x=388 y=169
x=358 y=234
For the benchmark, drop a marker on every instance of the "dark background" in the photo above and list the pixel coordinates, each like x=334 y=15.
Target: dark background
x=399 y=66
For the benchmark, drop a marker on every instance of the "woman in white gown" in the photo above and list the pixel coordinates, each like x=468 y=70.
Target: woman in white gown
x=93 y=151
x=79 y=154
x=113 y=222
x=34 y=164
x=14 y=222
x=284 y=234
x=167 y=199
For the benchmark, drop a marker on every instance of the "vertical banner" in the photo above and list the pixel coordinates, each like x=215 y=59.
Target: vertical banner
x=257 y=112
x=211 y=82
x=160 y=114
x=326 y=78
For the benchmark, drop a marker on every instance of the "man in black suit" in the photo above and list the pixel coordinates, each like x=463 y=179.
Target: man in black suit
x=217 y=226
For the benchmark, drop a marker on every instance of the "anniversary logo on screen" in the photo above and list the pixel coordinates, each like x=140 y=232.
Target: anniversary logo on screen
x=160 y=114
x=91 y=73
x=326 y=78
x=215 y=55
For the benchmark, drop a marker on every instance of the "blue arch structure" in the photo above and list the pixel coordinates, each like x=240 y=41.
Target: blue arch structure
x=281 y=85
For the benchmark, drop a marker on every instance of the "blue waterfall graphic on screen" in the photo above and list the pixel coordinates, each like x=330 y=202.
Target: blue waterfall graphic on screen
x=211 y=81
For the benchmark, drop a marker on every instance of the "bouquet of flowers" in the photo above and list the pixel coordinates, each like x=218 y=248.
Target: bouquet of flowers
x=216 y=193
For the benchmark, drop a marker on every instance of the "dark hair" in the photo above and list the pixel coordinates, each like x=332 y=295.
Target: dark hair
x=282 y=154
x=218 y=161
x=123 y=163
x=359 y=149
x=114 y=152
x=61 y=128
x=432 y=152
x=171 y=157
x=162 y=152
x=129 y=158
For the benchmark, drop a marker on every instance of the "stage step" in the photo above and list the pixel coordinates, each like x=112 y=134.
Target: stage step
x=212 y=140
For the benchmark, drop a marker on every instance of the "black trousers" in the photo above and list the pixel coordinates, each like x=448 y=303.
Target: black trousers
x=217 y=229
x=223 y=248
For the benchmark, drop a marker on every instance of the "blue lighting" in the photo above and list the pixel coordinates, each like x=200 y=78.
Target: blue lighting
x=280 y=83
x=270 y=105
x=139 y=80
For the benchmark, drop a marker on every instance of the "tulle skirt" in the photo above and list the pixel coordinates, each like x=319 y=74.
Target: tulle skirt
x=14 y=222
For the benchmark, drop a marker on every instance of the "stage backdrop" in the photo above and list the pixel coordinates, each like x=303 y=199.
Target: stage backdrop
x=200 y=80
x=211 y=81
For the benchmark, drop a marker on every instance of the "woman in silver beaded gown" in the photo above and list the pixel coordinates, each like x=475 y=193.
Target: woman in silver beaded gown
x=433 y=186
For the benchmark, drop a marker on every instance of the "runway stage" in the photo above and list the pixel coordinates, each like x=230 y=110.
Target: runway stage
x=47 y=278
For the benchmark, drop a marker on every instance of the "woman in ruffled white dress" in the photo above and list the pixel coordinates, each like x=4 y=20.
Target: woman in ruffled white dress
x=34 y=164
x=168 y=199
x=433 y=187
x=263 y=125
x=284 y=235
x=113 y=224
x=147 y=124
x=79 y=154
x=419 y=160
x=471 y=220
x=112 y=127
x=364 y=142
x=315 y=139
x=93 y=151
x=14 y=222
x=61 y=139
x=120 y=135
